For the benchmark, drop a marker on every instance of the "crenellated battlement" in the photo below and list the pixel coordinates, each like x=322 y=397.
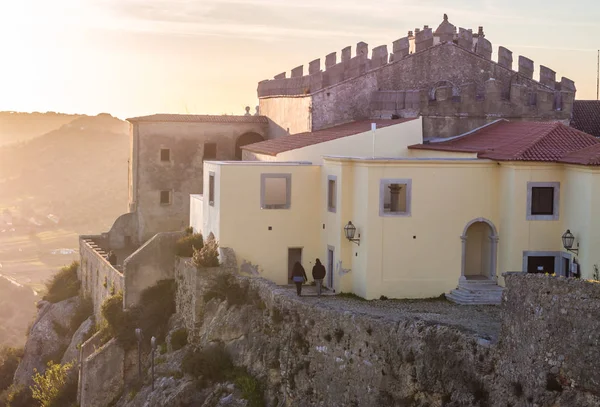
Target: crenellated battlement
x=410 y=46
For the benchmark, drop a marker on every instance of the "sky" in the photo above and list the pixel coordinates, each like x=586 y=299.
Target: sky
x=138 y=57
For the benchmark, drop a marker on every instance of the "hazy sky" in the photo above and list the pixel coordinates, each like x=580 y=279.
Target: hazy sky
x=135 y=57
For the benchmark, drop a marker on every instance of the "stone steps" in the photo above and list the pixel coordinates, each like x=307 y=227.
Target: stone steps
x=479 y=293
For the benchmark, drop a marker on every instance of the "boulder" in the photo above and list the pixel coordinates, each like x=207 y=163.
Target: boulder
x=48 y=339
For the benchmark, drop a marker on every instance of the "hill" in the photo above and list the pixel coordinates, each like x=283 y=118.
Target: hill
x=69 y=181
x=17 y=310
x=18 y=127
x=77 y=172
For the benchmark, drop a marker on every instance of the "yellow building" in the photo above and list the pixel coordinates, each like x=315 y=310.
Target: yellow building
x=428 y=216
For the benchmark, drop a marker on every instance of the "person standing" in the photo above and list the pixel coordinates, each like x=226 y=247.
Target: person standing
x=299 y=277
x=318 y=273
x=112 y=258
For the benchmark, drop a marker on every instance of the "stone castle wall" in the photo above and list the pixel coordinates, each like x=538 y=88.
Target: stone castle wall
x=315 y=355
x=551 y=333
x=99 y=279
x=446 y=77
x=102 y=375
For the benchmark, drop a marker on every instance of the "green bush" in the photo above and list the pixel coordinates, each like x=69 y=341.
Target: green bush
x=9 y=360
x=252 y=389
x=185 y=246
x=16 y=396
x=211 y=365
x=225 y=287
x=151 y=314
x=56 y=387
x=189 y=230
x=63 y=284
x=83 y=312
x=208 y=255
x=179 y=339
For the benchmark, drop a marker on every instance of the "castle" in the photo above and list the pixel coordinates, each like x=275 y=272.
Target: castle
x=434 y=85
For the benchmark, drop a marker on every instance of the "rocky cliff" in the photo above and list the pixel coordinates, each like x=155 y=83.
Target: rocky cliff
x=308 y=353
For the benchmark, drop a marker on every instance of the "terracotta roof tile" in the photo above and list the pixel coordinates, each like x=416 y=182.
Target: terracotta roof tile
x=300 y=140
x=586 y=116
x=196 y=118
x=522 y=141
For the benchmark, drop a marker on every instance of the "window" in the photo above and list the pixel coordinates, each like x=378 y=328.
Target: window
x=211 y=188
x=165 y=154
x=165 y=197
x=542 y=200
x=395 y=197
x=275 y=191
x=331 y=193
x=210 y=151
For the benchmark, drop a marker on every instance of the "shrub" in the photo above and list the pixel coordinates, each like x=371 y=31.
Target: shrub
x=208 y=255
x=83 y=312
x=56 y=387
x=151 y=314
x=16 y=396
x=212 y=364
x=63 y=284
x=179 y=339
x=225 y=287
x=9 y=360
x=185 y=246
x=252 y=389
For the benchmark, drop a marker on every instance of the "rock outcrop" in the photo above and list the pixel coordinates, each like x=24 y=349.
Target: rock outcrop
x=48 y=339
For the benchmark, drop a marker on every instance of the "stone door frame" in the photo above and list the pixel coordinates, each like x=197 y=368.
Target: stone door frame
x=494 y=248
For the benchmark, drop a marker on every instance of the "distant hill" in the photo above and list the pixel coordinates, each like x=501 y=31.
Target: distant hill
x=77 y=172
x=16 y=127
x=17 y=310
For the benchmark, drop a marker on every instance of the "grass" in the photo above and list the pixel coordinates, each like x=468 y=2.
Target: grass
x=63 y=284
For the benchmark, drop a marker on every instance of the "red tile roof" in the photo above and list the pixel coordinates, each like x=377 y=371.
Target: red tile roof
x=524 y=141
x=197 y=118
x=300 y=140
x=586 y=116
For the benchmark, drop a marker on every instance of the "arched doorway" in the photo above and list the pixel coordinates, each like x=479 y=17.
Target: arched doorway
x=245 y=139
x=479 y=250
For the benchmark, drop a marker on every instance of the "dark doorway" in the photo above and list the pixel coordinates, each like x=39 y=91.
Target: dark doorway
x=244 y=140
x=540 y=264
x=330 y=264
x=294 y=255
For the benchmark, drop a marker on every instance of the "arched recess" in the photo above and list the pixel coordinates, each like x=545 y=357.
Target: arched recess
x=479 y=250
x=244 y=140
x=455 y=89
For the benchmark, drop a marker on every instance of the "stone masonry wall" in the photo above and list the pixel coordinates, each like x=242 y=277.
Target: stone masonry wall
x=551 y=334
x=182 y=175
x=315 y=355
x=102 y=375
x=99 y=279
x=152 y=262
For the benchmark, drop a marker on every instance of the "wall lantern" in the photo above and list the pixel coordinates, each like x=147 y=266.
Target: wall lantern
x=350 y=231
x=568 y=239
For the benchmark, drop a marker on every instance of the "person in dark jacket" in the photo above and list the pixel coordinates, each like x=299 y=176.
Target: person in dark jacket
x=318 y=273
x=112 y=258
x=299 y=277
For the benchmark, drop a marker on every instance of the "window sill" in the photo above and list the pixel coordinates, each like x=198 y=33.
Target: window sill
x=394 y=214
x=332 y=210
x=542 y=217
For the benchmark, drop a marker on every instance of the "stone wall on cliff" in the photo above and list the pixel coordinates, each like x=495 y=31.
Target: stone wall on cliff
x=311 y=354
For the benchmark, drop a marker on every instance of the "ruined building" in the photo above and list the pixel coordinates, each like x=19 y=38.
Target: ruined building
x=447 y=76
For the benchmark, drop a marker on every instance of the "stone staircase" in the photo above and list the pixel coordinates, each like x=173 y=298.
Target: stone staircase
x=476 y=292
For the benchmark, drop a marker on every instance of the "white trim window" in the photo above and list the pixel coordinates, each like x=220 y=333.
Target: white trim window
x=331 y=193
x=395 y=197
x=275 y=191
x=543 y=200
